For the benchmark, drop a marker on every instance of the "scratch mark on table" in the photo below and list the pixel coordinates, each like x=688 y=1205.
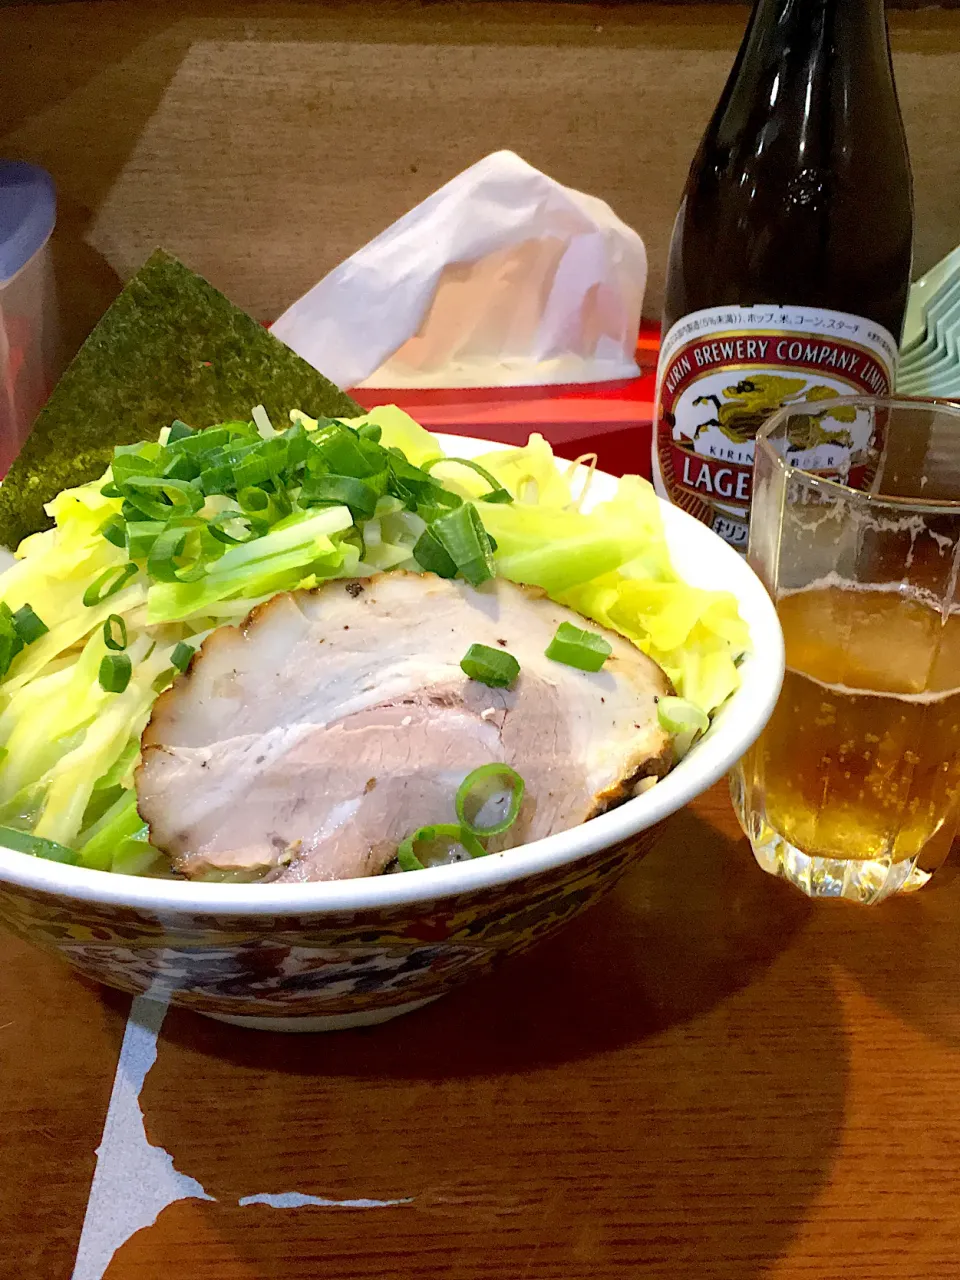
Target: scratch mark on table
x=134 y=1181
x=297 y=1200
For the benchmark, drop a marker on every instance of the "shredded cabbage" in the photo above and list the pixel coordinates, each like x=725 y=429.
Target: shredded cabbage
x=69 y=749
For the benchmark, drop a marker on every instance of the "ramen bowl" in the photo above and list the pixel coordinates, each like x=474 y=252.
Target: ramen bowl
x=321 y=956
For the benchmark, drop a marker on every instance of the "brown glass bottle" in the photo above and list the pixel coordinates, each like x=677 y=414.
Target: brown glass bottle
x=795 y=227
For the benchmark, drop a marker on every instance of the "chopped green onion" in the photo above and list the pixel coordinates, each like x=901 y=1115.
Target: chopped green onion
x=10 y=646
x=202 y=444
x=131 y=464
x=496 y=488
x=407 y=858
x=141 y=535
x=179 y=431
x=232 y=430
x=108 y=584
x=340 y=451
x=347 y=491
x=156 y=495
x=494 y=667
x=272 y=479
x=436 y=502
x=281 y=504
x=298 y=448
x=253 y=499
x=585 y=650
x=239 y=450
x=449 y=832
x=129 y=512
x=413 y=486
x=168 y=548
x=115 y=633
x=216 y=479
x=257 y=467
x=28 y=626
x=37 y=846
x=215 y=527
x=115 y=672
x=180 y=465
x=475 y=793
x=146 y=450
x=463 y=537
x=243 y=430
x=114 y=530
x=10 y=640
x=181 y=655
x=431 y=557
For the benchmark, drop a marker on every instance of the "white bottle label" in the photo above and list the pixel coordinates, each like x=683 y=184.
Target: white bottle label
x=724 y=370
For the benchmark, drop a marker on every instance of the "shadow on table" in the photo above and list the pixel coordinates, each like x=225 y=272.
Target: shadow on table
x=906 y=953
x=635 y=1095
x=687 y=927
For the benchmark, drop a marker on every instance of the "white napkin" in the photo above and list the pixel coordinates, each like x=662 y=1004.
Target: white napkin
x=503 y=277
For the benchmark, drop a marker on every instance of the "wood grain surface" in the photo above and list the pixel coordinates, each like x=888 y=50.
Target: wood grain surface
x=59 y=1038
x=264 y=142
x=707 y=1076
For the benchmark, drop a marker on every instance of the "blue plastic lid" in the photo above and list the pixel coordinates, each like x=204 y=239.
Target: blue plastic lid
x=28 y=210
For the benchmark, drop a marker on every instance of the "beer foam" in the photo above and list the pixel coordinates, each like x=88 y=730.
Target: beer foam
x=927 y=696
x=909 y=592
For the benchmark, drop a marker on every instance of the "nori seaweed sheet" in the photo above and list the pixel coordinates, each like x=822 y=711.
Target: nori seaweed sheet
x=170 y=346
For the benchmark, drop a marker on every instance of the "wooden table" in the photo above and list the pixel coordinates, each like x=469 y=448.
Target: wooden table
x=707 y=1076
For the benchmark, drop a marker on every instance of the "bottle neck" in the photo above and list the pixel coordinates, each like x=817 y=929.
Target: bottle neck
x=774 y=23
x=793 y=43
x=800 y=191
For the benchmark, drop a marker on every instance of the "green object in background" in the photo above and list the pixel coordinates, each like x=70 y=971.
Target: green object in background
x=170 y=347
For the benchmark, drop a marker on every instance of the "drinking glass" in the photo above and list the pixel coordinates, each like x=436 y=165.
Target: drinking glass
x=853 y=789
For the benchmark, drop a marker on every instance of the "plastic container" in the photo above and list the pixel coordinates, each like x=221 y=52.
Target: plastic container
x=28 y=320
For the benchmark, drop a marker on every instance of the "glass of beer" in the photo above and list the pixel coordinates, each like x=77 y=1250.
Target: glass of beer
x=853 y=789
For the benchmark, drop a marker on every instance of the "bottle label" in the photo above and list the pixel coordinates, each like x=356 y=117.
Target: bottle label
x=725 y=370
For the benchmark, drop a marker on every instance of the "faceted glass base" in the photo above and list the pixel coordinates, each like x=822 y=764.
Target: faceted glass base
x=863 y=880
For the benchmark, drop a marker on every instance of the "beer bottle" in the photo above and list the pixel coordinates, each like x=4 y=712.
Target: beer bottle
x=790 y=259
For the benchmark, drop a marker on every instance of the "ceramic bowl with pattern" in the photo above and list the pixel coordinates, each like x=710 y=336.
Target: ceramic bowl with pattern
x=355 y=952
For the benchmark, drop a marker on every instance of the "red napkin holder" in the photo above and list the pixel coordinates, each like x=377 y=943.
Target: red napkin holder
x=611 y=419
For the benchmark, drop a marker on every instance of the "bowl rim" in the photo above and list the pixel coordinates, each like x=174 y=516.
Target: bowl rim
x=736 y=726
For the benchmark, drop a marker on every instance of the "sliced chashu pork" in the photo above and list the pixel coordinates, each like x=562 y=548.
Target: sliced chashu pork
x=306 y=743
